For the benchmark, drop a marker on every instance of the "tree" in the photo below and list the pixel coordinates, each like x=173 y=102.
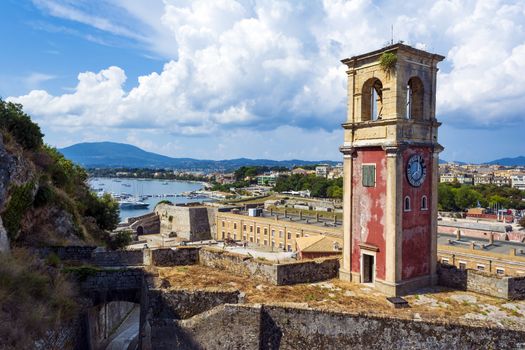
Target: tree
x=446 y=200
x=19 y=125
x=466 y=197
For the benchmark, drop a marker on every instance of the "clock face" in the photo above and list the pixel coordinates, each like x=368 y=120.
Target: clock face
x=416 y=170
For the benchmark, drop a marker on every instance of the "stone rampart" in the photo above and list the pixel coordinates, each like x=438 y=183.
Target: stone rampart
x=278 y=274
x=112 y=285
x=68 y=253
x=276 y=327
x=175 y=256
x=481 y=282
x=118 y=258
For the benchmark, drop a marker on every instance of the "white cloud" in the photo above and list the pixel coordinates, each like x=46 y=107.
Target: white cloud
x=263 y=65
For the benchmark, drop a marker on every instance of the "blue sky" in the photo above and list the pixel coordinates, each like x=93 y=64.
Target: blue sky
x=258 y=79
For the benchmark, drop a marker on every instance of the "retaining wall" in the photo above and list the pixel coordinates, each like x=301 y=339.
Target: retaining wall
x=70 y=253
x=275 y=327
x=278 y=274
x=483 y=283
x=175 y=256
x=118 y=258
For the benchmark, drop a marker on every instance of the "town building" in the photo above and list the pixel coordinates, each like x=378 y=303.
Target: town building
x=318 y=247
x=518 y=181
x=267 y=180
x=391 y=155
x=273 y=230
x=322 y=170
x=502 y=258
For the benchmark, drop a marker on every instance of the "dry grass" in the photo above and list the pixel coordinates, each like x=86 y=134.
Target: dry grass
x=437 y=304
x=36 y=302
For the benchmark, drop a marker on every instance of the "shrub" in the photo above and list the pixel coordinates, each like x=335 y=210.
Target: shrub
x=53 y=260
x=20 y=201
x=19 y=125
x=388 y=61
x=44 y=195
x=119 y=240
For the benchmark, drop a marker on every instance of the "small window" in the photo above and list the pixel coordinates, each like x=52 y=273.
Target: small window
x=223 y=224
x=297 y=235
x=258 y=230
x=234 y=236
x=265 y=231
x=462 y=265
x=265 y=242
x=289 y=235
x=273 y=244
x=251 y=239
x=258 y=241
x=424 y=204
x=500 y=271
x=480 y=267
x=406 y=205
x=244 y=237
x=280 y=234
x=234 y=225
x=251 y=228
x=289 y=247
x=369 y=175
x=273 y=233
x=244 y=227
x=223 y=234
x=281 y=246
x=444 y=261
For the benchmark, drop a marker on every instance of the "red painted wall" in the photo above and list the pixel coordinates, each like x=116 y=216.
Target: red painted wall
x=369 y=204
x=416 y=223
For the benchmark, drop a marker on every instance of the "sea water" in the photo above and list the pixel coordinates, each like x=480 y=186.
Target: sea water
x=158 y=190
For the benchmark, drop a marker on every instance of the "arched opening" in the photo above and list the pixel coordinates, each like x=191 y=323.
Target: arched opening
x=407 y=204
x=424 y=204
x=372 y=100
x=414 y=103
x=140 y=231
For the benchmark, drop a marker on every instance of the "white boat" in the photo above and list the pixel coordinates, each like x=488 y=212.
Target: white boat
x=132 y=203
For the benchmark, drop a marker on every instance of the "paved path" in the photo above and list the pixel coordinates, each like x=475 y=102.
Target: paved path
x=127 y=334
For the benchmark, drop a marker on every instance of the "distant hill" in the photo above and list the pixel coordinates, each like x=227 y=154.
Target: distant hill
x=516 y=161
x=121 y=155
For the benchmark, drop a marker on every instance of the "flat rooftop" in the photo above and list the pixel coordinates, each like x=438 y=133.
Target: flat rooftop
x=297 y=219
x=499 y=247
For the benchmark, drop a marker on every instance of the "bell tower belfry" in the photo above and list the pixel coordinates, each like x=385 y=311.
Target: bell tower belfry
x=391 y=170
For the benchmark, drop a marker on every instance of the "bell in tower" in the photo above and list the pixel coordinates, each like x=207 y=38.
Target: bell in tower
x=391 y=170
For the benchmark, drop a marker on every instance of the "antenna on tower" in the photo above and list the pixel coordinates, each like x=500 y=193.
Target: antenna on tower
x=392 y=32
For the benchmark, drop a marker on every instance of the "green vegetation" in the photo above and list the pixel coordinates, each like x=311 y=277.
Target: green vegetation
x=455 y=197
x=119 y=240
x=252 y=171
x=59 y=183
x=388 y=61
x=81 y=273
x=19 y=125
x=20 y=201
x=318 y=186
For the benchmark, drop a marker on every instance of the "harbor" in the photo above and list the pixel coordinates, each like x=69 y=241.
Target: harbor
x=140 y=196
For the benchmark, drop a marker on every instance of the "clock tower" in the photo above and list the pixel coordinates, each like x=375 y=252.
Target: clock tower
x=391 y=170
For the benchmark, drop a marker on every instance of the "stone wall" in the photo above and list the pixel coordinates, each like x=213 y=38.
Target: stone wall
x=118 y=258
x=4 y=239
x=307 y=271
x=104 y=319
x=481 y=282
x=275 y=327
x=112 y=285
x=189 y=222
x=278 y=274
x=175 y=256
x=69 y=253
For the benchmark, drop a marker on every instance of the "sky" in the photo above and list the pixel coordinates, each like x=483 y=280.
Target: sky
x=258 y=79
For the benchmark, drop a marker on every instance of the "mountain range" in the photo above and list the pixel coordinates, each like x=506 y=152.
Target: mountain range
x=121 y=155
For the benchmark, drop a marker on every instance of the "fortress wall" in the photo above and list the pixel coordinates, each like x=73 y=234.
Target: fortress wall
x=278 y=327
x=175 y=256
